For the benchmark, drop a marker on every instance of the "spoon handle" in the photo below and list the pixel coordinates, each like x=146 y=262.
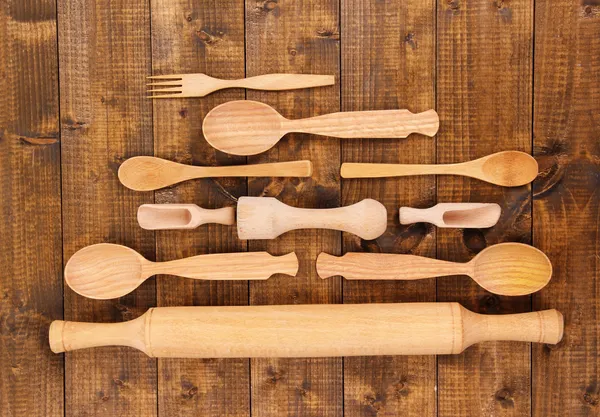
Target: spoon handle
x=367 y=124
x=385 y=266
x=365 y=170
x=227 y=266
x=279 y=82
x=275 y=169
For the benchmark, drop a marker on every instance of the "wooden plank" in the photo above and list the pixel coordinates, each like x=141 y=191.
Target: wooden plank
x=388 y=61
x=566 y=203
x=208 y=37
x=297 y=37
x=104 y=53
x=31 y=377
x=484 y=100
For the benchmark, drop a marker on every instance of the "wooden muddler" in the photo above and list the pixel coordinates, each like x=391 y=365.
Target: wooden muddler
x=308 y=330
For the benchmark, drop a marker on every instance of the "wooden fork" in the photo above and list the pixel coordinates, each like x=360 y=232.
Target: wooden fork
x=199 y=85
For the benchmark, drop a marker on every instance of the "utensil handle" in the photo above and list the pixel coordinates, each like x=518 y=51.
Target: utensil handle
x=385 y=266
x=279 y=82
x=409 y=215
x=227 y=266
x=275 y=169
x=365 y=170
x=367 y=124
x=308 y=330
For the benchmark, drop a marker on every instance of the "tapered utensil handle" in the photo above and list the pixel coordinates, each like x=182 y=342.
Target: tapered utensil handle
x=367 y=124
x=365 y=170
x=308 y=330
x=279 y=82
x=227 y=266
x=385 y=266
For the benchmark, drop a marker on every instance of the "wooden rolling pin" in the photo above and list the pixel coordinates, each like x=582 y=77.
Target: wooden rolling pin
x=308 y=330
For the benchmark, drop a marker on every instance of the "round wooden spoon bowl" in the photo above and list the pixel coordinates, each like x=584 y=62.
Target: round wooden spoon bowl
x=509 y=168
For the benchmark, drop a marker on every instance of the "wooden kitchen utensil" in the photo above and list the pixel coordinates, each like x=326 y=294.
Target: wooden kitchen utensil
x=508 y=168
x=147 y=173
x=458 y=215
x=293 y=331
x=247 y=127
x=106 y=271
x=181 y=216
x=199 y=85
x=267 y=218
x=504 y=269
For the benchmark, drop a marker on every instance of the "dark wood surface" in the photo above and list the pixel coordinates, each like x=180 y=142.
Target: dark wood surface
x=519 y=74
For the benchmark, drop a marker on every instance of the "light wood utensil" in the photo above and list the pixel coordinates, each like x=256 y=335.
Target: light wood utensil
x=181 y=216
x=199 y=85
x=247 y=127
x=508 y=168
x=267 y=218
x=292 y=331
x=458 y=215
x=147 y=173
x=106 y=271
x=504 y=269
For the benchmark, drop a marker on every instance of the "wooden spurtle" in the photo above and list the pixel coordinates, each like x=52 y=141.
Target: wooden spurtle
x=199 y=85
x=458 y=215
x=106 y=271
x=147 y=173
x=293 y=331
x=504 y=269
x=508 y=168
x=267 y=218
x=248 y=127
x=181 y=216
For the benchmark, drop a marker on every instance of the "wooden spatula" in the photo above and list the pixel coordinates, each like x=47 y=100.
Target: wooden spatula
x=181 y=216
x=248 y=127
x=267 y=218
x=147 y=173
x=293 y=331
x=458 y=215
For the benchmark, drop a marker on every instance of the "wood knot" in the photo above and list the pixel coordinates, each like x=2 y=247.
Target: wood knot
x=401 y=389
x=208 y=38
x=120 y=383
x=453 y=6
x=328 y=33
x=489 y=303
x=504 y=397
x=474 y=240
x=274 y=375
x=374 y=402
x=269 y=5
x=188 y=390
x=410 y=40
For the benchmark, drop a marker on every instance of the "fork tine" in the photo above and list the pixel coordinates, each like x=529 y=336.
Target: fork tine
x=165 y=77
x=166 y=90
x=180 y=82
x=165 y=96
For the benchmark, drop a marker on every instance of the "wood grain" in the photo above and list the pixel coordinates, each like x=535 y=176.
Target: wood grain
x=484 y=101
x=388 y=61
x=191 y=37
x=297 y=37
x=566 y=203
x=31 y=380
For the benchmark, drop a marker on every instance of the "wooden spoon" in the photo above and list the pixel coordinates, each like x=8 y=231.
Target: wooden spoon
x=247 y=127
x=458 y=215
x=147 y=173
x=505 y=269
x=106 y=271
x=267 y=218
x=508 y=168
x=181 y=216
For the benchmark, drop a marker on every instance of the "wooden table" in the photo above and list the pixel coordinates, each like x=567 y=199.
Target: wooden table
x=502 y=75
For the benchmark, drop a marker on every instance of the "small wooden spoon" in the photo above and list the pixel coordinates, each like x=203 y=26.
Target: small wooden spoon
x=181 y=216
x=267 y=218
x=106 y=270
x=248 y=127
x=508 y=168
x=458 y=215
x=147 y=173
x=504 y=269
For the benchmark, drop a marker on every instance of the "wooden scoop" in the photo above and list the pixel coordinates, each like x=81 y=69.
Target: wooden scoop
x=508 y=168
x=504 y=269
x=247 y=127
x=181 y=216
x=147 y=173
x=458 y=215
x=106 y=271
x=294 y=331
x=267 y=218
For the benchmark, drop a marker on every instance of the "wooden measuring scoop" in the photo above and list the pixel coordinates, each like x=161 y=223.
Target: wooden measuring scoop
x=181 y=216
x=508 y=168
x=267 y=218
x=505 y=269
x=458 y=215
x=147 y=173
x=106 y=270
x=246 y=127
